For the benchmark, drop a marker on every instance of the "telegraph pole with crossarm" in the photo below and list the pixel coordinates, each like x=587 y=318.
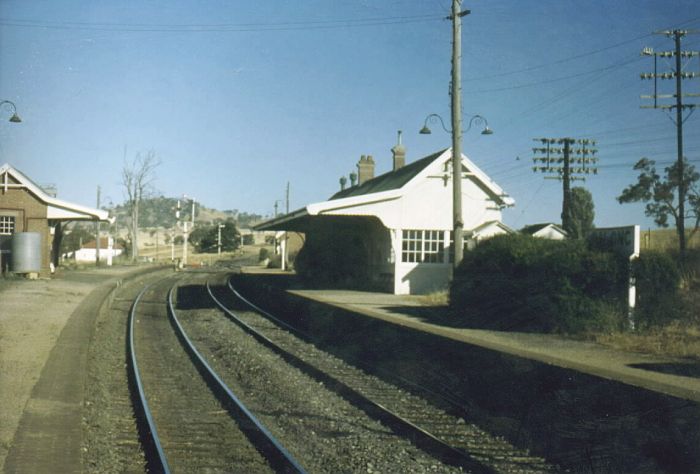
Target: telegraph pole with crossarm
x=678 y=75
x=565 y=159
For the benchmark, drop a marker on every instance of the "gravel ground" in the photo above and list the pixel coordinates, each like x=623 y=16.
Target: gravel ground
x=111 y=441
x=322 y=430
x=32 y=315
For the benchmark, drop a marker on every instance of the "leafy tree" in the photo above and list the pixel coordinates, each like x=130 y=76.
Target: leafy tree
x=209 y=240
x=582 y=213
x=660 y=195
x=200 y=232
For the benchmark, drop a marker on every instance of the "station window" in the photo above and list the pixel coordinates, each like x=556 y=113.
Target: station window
x=7 y=225
x=412 y=246
x=422 y=246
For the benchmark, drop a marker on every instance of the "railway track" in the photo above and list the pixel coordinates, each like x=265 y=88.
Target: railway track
x=191 y=421
x=444 y=436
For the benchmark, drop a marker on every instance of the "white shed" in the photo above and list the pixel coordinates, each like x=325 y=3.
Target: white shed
x=108 y=250
x=545 y=231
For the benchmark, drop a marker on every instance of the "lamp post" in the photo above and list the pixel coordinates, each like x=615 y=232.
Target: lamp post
x=456 y=106
x=15 y=118
x=457 y=222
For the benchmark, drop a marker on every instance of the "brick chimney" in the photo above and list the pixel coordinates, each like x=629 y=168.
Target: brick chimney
x=365 y=169
x=399 y=153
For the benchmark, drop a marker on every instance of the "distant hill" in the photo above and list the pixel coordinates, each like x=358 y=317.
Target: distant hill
x=160 y=212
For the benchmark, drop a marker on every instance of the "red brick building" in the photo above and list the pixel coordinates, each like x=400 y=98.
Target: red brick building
x=26 y=207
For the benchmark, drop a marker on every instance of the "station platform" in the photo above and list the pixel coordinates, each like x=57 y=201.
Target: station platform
x=670 y=376
x=657 y=373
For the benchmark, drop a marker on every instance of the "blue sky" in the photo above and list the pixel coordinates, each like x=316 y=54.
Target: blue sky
x=238 y=98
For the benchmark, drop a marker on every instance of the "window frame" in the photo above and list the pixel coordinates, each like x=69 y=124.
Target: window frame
x=423 y=246
x=8 y=224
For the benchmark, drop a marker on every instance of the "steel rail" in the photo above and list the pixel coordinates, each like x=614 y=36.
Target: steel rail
x=280 y=459
x=453 y=402
x=419 y=436
x=154 y=450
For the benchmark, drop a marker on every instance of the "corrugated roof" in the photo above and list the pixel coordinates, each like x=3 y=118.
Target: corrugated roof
x=388 y=181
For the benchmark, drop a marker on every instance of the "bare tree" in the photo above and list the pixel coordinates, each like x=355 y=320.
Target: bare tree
x=137 y=178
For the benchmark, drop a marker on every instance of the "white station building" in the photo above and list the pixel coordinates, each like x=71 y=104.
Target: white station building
x=399 y=224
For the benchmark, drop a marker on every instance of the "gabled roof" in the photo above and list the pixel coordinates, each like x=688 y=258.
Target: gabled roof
x=391 y=180
x=56 y=208
x=386 y=187
x=486 y=227
x=534 y=228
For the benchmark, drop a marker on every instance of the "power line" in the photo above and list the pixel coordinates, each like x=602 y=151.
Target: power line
x=553 y=63
x=556 y=79
x=220 y=27
x=571 y=58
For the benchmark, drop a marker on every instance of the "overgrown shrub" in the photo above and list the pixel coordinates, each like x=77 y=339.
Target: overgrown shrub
x=519 y=282
x=658 y=280
x=263 y=254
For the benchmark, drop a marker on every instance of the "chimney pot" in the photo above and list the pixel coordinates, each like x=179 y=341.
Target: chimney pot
x=399 y=154
x=365 y=169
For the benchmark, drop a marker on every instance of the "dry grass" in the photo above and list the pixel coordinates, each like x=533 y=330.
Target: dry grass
x=675 y=340
x=436 y=298
x=666 y=239
x=679 y=338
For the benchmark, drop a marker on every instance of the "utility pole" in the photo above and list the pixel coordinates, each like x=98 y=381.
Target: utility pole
x=286 y=208
x=97 y=232
x=556 y=160
x=456 y=93
x=221 y=226
x=185 y=230
x=174 y=231
x=283 y=264
x=566 y=185
x=678 y=75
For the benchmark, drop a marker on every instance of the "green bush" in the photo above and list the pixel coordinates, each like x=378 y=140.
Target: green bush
x=518 y=282
x=657 y=280
x=264 y=253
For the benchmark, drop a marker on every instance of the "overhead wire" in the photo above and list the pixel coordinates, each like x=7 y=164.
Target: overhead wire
x=572 y=58
x=219 y=27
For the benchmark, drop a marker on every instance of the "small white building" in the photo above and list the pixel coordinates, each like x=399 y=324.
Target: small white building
x=399 y=224
x=545 y=231
x=108 y=250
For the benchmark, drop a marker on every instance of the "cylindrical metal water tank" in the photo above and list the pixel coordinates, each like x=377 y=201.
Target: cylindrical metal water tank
x=26 y=252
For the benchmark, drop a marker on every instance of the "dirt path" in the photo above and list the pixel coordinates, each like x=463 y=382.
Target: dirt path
x=33 y=313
